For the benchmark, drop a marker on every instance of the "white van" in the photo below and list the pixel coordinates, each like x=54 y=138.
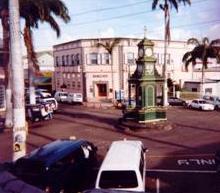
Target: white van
x=123 y=167
x=61 y=96
x=215 y=100
x=74 y=98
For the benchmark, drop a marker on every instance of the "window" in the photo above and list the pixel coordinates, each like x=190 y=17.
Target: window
x=93 y=58
x=106 y=58
x=118 y=179
x=130 y=57
x=72 y=59
x=67 y=60
x=77 y=59
x=78 y=85
x=63 y=60
x=73 y=84
x=57 y=61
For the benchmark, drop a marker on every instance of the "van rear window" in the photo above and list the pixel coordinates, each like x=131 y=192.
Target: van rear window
x=118 y=179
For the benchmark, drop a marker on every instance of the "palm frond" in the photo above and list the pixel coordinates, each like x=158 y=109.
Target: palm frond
x=154 y=4
x=205 y=41
x=185 y=56
x=215 y=42
x=185 y=2
x=173 y=3
x=54 y=25
x=28 y=39
x=193 y=41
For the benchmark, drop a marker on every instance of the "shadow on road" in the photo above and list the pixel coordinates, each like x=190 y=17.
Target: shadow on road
x=188 y=174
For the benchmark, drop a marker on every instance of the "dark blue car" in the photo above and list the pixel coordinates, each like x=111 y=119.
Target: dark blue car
x=63 y=165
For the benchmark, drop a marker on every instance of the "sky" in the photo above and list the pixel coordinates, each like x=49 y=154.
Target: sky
x=127 y=18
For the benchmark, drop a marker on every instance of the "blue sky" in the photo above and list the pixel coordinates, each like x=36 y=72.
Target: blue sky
x=127 y=18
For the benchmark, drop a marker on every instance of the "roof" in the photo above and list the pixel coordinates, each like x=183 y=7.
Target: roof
x=109 y=38
x=50 y=153
x=205 y=81
x=119 y=152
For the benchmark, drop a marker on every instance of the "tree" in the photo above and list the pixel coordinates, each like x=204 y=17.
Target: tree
x=109 y=46
x=165 y=7
x=202 y=51
x=19 y=124
x=34 y=12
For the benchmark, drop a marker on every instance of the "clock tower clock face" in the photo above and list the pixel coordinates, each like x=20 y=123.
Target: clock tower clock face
x=141 y=52
x=149 y=52
x=149 y=69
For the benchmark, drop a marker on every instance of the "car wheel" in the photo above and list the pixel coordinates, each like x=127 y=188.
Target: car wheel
x=200 y=108
x=190 y=107
x=216 y=107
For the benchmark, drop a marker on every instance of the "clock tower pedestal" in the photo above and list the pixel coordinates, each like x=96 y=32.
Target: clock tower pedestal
x=147 y=86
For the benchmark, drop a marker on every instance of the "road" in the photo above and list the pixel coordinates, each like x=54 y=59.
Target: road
x=180 y=160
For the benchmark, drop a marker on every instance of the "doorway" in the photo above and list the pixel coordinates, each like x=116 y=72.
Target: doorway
x=102 y=89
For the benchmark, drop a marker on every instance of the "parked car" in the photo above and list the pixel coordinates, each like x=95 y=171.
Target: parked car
x=49 y=100
x=217 y=161
x=62 y=165
x=201 y=104
x=215 y=100
x=61 y=96
x=43 y=93
x=125 y=103
x=75 y=98
x=40 y=111
x=174 y=101
x=123 y=167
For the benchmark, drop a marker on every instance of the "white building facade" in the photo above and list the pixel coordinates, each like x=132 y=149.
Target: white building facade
x=83 y=67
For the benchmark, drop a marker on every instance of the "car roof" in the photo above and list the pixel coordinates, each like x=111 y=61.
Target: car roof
x=56 y=150
x=126 y=149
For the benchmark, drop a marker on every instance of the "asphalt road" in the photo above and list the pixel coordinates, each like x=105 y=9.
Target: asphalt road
x=180 y=160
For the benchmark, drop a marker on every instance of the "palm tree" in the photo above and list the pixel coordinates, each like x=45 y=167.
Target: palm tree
x=34 y=12
x=109 y=46
x=202 y=51
x=19 y=124
x=167 y=4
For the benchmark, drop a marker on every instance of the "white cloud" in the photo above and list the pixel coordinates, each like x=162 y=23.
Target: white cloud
x=214 y=32
x=109 y=32
x=181 y=34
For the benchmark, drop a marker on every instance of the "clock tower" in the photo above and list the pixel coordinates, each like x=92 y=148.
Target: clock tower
x=148 y=84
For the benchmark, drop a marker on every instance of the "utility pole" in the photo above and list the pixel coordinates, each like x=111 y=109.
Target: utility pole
x=19 y=123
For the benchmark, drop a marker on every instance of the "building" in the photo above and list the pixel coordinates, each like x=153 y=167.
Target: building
x=81 y=66
x=2 y=79
x=46 y=68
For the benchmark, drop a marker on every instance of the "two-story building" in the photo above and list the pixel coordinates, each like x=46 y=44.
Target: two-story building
x=83 y=67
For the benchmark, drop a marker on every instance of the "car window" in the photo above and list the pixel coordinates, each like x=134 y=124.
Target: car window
x=118 y=179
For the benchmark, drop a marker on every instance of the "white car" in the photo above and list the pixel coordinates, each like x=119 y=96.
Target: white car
x=74 y=98
x=201 y=105
x=215 y=100
x=61 y=96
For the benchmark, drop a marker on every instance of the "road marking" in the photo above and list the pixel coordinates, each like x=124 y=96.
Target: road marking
x=158 y=185
x=182 y=171
x=183 y=155
x=187 y=162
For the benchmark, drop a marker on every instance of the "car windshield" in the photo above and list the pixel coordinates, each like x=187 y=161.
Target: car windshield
x=203 y=102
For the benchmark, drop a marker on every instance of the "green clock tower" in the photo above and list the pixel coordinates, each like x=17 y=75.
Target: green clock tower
x=147 y=87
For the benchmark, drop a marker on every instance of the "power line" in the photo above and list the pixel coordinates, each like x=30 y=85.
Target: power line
x=109 y=8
